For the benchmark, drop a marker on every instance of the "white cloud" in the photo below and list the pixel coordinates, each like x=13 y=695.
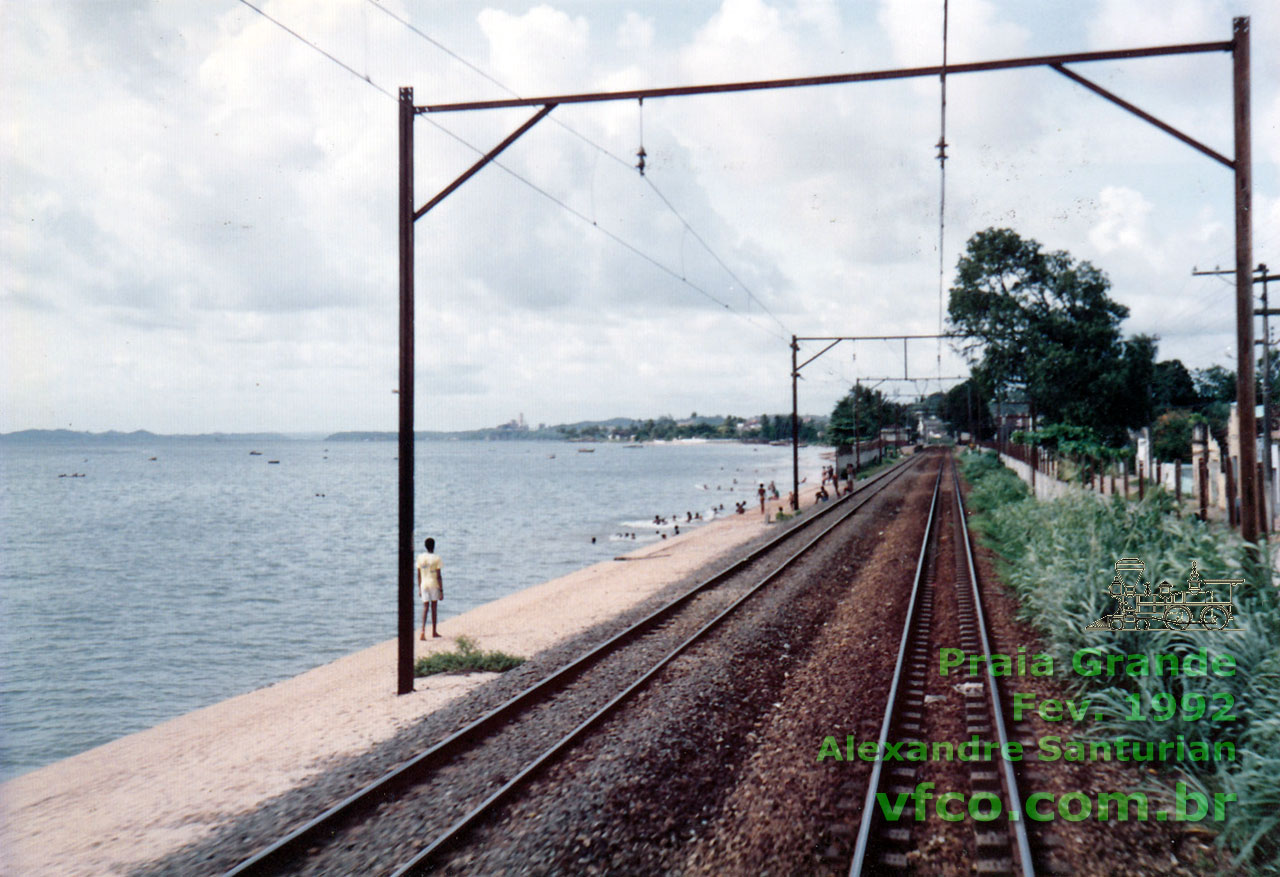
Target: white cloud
x=635 y=32
x=199 y=227
x=540 y=52
x=1122 y=222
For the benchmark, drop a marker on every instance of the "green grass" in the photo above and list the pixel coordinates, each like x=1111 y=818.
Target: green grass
x=466 y=659
x=1059 y=556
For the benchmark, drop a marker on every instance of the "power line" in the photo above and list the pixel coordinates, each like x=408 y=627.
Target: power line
x=487 y=77
x=942 y=182
x=616 y=238
x=364 y=77
x=689 y=228
x=634 y=249
x=585 y=139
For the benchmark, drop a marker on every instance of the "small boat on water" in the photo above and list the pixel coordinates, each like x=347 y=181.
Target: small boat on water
x=272 y=461
x=255 y=453
x=586 y=450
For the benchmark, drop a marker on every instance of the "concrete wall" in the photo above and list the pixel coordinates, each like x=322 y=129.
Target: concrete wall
x=869 y=452
x=1046 y=486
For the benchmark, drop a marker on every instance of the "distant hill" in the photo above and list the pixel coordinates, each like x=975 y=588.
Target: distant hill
x=583 y=430
x=495 y=433
x=491 y=434
x=141 y=436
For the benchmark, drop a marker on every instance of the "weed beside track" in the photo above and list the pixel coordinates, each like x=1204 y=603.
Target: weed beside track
x=1058 y=558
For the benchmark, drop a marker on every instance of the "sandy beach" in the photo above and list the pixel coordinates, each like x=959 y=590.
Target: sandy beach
x=140 y=797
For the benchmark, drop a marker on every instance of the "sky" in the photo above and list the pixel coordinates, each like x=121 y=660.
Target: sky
x=199 y=232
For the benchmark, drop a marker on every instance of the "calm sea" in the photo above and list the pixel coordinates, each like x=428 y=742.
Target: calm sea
x=178 y=574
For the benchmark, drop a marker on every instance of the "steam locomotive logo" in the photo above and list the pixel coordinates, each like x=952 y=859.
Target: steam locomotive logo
x=1206 y=604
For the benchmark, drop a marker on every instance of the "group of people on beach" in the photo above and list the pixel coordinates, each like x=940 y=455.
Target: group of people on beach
x=430 y=567
x=830 y=473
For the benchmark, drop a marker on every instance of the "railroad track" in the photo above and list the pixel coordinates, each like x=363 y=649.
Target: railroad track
x=884 y=844
x=662 y=635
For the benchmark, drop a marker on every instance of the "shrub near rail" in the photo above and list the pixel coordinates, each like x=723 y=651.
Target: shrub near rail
x=1059 y=557
x=466 y=659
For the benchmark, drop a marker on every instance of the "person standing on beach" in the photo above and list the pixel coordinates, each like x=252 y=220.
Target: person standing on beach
x=430 y=585
x=761 y=494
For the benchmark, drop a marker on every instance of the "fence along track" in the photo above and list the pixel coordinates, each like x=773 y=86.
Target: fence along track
x=882 y=846
x=297 y=845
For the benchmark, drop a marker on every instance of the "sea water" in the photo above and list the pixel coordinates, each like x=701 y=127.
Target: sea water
x=179 y=573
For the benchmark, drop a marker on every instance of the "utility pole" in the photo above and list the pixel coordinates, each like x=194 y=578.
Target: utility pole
x=1267 y=480
x=795 y=376
x=857 y=454
x=1266 y=311
x=404 y=602
x=795 y=428
x=1243 y=166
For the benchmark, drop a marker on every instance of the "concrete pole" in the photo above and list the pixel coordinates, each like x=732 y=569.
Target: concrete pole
x=1248 y=451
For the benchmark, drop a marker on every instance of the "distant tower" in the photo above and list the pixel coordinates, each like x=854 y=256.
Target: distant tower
x=521 y=420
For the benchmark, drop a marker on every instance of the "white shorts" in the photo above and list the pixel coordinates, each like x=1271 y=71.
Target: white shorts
x=431 y=594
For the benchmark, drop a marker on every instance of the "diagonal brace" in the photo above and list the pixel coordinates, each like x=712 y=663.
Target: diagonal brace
x=484 y=160
x=1145 y=116
x=819 y=353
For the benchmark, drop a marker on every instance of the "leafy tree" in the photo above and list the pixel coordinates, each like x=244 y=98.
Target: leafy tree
x=1083 y=445
x=967 y=406
x=1041 y=324
x=862 y=413
x=1171 y=435
x=1216 y=389
x=1215 y=384
x=1172 y=386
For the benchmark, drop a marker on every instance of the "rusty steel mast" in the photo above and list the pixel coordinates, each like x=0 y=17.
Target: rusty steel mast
x=1241 y=166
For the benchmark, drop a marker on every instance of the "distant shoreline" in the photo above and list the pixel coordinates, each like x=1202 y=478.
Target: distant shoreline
x=114 y=437
x=68 y=436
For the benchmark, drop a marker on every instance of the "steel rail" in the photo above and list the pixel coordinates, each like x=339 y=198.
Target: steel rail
x=1016 y=842
x=285 y=849
x=1017 y=824
x=873 y=784
x=421 y=860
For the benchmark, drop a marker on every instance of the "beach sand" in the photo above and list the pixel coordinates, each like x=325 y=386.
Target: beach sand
x=140 y=797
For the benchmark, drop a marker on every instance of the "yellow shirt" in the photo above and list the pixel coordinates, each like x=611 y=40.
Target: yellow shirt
x=429 y=577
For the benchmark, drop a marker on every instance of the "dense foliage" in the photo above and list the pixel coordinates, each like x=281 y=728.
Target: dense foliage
x=1171 y=435
x=863 y=412
x=766 y=428
x=1040 y=325
x=1080 y=445
x=966 y=407
x=1059 y=556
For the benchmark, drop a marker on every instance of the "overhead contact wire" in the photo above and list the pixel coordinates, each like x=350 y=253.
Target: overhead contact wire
x=637 y=251
x=942 y=184
x=364 y=77
x=689 y=228
x=587 y=140
x=479 y=71
x=617 y=239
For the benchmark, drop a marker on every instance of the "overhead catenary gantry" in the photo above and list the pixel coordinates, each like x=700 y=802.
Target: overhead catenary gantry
x=1240 y=165
x=833 y=341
